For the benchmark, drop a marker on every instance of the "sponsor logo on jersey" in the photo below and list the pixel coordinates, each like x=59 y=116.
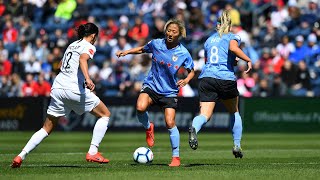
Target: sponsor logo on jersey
x=174 y=58
x=91 y=51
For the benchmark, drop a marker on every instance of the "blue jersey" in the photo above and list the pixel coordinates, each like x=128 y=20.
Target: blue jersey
x=220 y=60
x=162 y=77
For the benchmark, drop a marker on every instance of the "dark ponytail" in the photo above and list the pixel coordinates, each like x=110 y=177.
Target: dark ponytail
x=85 y=30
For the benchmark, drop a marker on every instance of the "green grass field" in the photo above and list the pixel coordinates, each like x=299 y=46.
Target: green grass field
x=62 y=156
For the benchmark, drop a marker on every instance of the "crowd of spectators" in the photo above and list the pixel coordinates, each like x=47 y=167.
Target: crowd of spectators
x=280 y=36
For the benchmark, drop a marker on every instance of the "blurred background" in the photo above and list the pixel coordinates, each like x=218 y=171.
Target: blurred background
x=280 y=36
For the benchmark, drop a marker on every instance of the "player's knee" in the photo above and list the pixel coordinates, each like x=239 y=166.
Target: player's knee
x=141 y=108
x=106 y=113
x=170 y=124
x=48 y=128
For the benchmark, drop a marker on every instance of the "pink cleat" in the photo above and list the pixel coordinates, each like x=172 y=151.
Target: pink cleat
x=175 y=162
x=150 y=135
x=16 y=163
x=96 y=158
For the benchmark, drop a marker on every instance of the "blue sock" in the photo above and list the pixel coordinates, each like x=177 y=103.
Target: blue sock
x=198 y=122
x=175 y=141
x=144 y=119
x=236 y=125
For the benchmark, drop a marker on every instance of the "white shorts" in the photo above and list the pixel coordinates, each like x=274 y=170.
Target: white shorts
x=63 y=101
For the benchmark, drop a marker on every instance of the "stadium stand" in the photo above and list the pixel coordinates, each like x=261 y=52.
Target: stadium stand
x=281 y=37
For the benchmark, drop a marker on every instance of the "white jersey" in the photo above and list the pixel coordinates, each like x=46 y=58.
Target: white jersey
x=71 y=76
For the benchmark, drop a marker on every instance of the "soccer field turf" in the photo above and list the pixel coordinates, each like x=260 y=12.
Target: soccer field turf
x=62 y=156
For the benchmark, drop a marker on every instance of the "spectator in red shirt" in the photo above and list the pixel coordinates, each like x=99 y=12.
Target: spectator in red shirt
x=139 y=32
x=43 y=87
x=10 y=34
x=5 y=66
x=110 y=31
x=29 y=88
x=2 y=8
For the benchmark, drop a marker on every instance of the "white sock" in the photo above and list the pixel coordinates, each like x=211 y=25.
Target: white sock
x=34 y=141
x=99 y=131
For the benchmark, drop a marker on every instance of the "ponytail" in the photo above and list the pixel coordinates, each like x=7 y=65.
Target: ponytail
x=225 y=23
x=81 y=31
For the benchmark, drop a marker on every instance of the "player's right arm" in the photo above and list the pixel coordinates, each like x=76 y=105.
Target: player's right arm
x=136 y=50
x=84 y=68
x=233 y=47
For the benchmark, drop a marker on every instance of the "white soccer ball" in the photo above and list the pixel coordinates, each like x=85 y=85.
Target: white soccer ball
x=143 y=155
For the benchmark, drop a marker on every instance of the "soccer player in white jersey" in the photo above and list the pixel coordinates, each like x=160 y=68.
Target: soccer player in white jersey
x=218 y=81
x=72 y=90
x=161 y=86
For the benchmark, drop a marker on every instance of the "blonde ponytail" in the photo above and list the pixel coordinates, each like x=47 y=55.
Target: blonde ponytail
x=225 y=23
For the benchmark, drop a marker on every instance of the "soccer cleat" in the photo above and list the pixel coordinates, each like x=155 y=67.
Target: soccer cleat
x=193 y=141
x=175 y=162
x=237 y=152
x=96 y=158
x=16 y=163
x=150 y=135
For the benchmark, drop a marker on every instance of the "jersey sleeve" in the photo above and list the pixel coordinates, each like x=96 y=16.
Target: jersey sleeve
x=90 y=50
x=188 y=63
x=148 y=47
x=236 y=37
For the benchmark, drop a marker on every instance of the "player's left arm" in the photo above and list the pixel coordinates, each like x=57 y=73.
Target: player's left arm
x=189 y=65
x=185 y=81
x=233 y=47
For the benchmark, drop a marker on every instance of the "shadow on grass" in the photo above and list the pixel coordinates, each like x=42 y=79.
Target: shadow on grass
x=150 y=164
x=63 y=166
x=213 y=164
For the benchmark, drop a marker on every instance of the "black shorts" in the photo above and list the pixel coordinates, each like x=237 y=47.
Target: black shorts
x=160 y=100
x=211 y=89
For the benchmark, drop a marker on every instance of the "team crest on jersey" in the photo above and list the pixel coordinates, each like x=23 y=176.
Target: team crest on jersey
x=91 y=51
x=174 y=58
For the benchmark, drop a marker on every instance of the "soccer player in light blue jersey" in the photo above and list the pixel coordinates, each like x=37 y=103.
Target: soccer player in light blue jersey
x=161 y=86
x=218 y=81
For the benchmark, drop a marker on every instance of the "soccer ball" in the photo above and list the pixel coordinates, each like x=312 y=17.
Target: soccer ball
x=143 y=155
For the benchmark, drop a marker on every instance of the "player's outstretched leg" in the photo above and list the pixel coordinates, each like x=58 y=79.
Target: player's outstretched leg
x=193 y=141
x=237 y=152
x=143 y=118
x=99 y=131
x=32 y=143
